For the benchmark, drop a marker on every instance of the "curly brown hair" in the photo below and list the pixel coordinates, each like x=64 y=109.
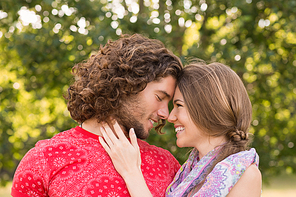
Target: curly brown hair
x=121 y=68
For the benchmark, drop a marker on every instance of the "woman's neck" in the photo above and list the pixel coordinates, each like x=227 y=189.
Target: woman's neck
x=208 y=145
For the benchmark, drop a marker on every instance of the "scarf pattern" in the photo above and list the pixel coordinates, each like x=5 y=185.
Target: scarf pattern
x=189 y=179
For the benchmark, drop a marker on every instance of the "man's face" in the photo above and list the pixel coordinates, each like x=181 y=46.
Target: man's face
x=147 y=107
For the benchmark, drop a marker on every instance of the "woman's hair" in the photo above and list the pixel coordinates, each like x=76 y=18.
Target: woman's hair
x=121 y=68
x=218 y=104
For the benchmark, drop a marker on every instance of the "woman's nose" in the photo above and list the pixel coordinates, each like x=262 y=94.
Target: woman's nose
x=172 y=117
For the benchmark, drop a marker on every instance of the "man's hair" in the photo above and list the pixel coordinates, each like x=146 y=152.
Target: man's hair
x=120 y=69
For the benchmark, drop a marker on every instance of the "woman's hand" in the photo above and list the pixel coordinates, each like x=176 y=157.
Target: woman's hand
x=126 y=158
x=125 y=155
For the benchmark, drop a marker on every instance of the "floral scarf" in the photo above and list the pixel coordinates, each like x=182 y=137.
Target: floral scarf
x=189 y=179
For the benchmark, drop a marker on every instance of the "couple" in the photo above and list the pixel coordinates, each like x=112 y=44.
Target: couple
x=121 y=93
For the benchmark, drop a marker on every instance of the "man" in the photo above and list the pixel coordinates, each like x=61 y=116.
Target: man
x=130 y=80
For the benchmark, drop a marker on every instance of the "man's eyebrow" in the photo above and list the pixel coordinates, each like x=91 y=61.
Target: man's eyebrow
x=165 y=93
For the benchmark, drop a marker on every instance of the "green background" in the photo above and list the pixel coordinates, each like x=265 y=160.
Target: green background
x=255 y=38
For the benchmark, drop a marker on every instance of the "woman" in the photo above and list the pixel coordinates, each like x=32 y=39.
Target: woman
x=212 y=113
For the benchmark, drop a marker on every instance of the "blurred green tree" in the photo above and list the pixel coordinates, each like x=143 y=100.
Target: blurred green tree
x=40 y=40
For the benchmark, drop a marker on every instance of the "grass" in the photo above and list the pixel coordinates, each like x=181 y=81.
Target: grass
x=284 y=185
x=5 y=191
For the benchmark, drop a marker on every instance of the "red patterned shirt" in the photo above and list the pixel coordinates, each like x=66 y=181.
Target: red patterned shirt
x=73 y=163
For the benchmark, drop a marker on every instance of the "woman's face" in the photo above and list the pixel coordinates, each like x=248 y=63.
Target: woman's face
x=188 y=135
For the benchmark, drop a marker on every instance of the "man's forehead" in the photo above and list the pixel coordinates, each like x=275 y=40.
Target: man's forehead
x=166 y=86
x=166 y=94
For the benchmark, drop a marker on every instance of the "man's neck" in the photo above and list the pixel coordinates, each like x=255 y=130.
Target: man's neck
x=92 y=126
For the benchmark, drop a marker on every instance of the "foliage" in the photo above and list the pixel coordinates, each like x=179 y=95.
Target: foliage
x=256 y=38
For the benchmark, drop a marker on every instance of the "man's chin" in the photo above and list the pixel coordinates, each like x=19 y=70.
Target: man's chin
x=141 y=133
x=128 y=122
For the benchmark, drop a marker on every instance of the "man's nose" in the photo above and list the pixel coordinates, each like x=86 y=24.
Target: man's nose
x=163 y=112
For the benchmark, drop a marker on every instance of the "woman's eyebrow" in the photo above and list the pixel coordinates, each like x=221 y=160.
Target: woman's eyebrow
x=177 y=100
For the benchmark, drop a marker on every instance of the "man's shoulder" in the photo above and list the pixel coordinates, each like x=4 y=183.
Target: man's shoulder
x=62 y=148
x=145 y=147
x=60 y=138
x=157 y=162
x=148 y=147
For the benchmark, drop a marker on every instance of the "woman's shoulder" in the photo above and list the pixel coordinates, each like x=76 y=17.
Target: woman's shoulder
x=243 y=158
x=252 y=175
x=251 y=178
x=252 y=172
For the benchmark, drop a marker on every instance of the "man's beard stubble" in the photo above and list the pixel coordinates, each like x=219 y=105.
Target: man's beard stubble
x=126 y=114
